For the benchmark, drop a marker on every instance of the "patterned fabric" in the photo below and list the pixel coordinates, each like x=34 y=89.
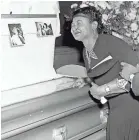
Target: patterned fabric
x=90 y=55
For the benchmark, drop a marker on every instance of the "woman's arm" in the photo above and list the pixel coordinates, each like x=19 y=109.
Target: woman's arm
x=124 y=53
x=116 y=86
x=128 y=69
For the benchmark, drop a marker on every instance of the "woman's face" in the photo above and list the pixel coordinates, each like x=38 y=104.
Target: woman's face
x=81 y=28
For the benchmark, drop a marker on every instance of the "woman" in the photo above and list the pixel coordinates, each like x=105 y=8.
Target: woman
x=123 y=120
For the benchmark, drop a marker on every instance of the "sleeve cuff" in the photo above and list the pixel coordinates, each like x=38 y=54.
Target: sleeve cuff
x=131 y=78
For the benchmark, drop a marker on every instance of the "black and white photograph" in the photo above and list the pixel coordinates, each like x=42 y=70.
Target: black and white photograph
x=77 y=76
x=43 y=29
x=16 y=35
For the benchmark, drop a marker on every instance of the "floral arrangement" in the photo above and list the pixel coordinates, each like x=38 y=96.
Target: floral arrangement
x=120 y=18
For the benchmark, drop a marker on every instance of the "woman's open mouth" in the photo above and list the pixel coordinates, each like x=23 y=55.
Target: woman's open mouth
x=77 y=33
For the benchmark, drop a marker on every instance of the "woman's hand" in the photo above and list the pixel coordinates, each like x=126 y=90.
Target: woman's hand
x=97 y=91
x=79 y=83
x=127 y=70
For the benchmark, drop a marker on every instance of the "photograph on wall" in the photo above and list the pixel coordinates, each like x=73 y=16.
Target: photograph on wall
x=43 y=29
x=16 y=35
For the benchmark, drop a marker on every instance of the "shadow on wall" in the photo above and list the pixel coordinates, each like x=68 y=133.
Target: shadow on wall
x=66 y=38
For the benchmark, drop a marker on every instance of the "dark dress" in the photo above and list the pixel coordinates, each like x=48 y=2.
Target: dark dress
x=123 y=120
x=135 y=85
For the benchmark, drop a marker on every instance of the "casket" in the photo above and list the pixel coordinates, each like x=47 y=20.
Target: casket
x=70 y=109
x=65 y=113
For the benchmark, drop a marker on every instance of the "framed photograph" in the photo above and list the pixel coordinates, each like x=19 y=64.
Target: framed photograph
x=43 y=29
x=16 y=35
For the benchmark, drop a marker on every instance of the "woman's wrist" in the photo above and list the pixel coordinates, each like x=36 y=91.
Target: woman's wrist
x=123 y=84
x=104 y=90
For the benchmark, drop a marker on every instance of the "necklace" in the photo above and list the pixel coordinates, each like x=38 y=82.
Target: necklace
x=89 y=55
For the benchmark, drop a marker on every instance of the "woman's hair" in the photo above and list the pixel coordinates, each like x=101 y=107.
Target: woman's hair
x=93 y=14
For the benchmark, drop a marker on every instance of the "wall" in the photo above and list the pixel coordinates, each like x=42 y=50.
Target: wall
x=32 y=62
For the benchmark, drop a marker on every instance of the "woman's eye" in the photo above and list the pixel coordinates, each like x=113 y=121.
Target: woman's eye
x=79 y=23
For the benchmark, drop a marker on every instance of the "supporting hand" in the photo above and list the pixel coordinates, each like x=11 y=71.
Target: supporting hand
x=127 y=70
x=97 y=91
x=79 y=83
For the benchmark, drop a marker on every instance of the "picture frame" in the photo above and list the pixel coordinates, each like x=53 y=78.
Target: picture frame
x=16 y=35
x=44 y=29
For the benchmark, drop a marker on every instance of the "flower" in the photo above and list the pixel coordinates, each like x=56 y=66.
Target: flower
x=91 y=4
x=120 y=18
x=83 y=5
x=137 y=17
x=131 y=16
x=135 y=35
x=104 y=18
x=136 y=42
x=134 y=26
x=74 y=5
x=115 y=4
x=117 y=35
x=102 y=4
x=135 y=2
x=108 y=6
x=128 y=34
x=133 y=11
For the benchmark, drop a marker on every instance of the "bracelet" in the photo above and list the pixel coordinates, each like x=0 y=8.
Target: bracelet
x=121 y=83
x=107 y=89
